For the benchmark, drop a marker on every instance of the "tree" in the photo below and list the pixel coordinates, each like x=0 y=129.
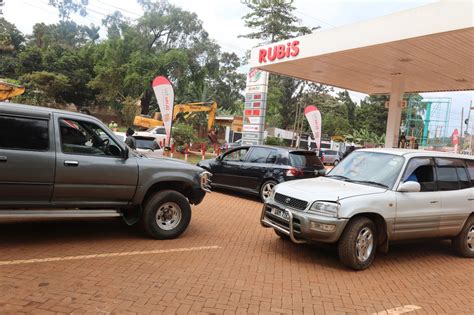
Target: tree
x=273 y=20
x=350 y=105
x=67 y=7
x=11 y=44
x=372 y=114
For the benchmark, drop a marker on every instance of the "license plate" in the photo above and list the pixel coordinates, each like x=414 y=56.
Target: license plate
x=281 y=213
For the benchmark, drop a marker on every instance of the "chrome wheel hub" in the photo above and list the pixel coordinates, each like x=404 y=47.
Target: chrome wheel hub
x=470 y=238
x=168 y=216
x=364 y=244
x=267 y=190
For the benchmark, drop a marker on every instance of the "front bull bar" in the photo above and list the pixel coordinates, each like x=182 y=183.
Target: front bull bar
x=268 y=224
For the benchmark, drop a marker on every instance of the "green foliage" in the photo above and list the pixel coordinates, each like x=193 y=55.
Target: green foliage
x=45 y=87
x=273 y=20
x=364 y=136
x=183 y=133
x=274 y=141
x=11 y=43
x=67 y=7
x=372 y=114
x=129 y=110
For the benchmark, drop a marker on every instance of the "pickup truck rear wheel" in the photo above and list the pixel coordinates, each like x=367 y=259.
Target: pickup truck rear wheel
x=166 y=215
x=463 y=243
x=357 y=244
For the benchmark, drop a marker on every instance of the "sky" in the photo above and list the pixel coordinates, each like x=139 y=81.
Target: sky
x=222 y=19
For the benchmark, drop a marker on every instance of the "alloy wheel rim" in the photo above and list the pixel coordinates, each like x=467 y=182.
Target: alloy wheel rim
x=364 y=244
x=267 y=190
x=470 y=238
x=168 y=216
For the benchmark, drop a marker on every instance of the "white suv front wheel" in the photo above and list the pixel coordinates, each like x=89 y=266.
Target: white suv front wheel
x=358 y=243
x=463 y=243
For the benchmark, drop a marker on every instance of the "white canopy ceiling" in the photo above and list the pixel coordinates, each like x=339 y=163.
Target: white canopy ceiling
x=431 y=46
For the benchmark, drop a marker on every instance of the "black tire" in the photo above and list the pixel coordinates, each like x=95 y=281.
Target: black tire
x=168 y=202
x=463 y=243
x=263 y=188
x=281 y=235
x=347 y=247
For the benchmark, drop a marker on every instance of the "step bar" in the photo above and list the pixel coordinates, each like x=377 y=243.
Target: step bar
x=59 y=213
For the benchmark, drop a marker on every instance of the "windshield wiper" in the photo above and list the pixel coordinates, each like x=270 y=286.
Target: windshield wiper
x=339 y=176
x=368 y=182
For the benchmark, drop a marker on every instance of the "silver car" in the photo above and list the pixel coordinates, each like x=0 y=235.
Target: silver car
x=378 y=196
x=332 y=157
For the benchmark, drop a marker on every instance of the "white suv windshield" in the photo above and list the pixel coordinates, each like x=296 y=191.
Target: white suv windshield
x=371 y=168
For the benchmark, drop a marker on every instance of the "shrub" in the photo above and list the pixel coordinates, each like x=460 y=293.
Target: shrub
x=274 y=141
x=182 y=134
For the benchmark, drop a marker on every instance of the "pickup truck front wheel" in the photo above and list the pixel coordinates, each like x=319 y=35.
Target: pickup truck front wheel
x=166 y=215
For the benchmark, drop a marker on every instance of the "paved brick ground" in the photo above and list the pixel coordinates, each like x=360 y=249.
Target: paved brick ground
x=250 y=271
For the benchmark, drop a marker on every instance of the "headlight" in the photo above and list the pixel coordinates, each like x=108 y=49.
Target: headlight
x=325 y=208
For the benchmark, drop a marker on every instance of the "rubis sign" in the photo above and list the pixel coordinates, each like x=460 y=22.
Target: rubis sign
x=281 y=51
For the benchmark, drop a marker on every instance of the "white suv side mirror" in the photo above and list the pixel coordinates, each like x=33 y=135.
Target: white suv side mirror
x=409 y=187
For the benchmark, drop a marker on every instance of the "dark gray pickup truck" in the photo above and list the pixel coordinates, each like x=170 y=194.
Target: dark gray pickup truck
x=56 y=163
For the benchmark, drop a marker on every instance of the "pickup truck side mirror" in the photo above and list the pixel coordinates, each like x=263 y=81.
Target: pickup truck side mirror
x=125 y=153
x=409 y=187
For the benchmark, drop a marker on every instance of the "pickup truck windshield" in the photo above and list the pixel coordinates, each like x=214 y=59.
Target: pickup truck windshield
x=370 y=168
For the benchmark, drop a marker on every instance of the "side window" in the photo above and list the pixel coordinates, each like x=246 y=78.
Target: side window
x=447 y=171
x=237 y=155
x=79 y=137
x=421 y=170
x=259 y=155
x=470 y=168
x=24 y=133
x=272 y=157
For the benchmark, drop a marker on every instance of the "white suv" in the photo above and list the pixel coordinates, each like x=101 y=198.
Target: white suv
x=376 y=196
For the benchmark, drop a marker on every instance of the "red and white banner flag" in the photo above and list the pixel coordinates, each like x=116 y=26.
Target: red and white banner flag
x=455 y=137
x=165 y=96
x=313 y=115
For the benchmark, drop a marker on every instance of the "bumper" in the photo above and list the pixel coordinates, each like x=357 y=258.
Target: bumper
x=303 y=227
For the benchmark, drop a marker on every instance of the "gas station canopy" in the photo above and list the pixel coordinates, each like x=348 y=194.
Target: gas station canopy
x=431 y=46
x=425 y=49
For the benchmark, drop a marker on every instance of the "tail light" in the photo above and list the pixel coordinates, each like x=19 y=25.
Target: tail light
x=293 y=171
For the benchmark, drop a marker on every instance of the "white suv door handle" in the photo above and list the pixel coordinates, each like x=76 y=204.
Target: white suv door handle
x=434 y=201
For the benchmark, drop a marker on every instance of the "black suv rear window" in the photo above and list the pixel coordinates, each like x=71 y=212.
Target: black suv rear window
x=305 y=159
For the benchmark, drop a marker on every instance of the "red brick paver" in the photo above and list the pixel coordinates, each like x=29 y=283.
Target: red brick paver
x=241 y=268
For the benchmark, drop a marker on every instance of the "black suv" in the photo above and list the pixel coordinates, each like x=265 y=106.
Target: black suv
x=257 y=169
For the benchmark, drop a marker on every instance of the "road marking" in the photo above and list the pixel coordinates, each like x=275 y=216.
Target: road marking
x=399 y=310
x=146 y=252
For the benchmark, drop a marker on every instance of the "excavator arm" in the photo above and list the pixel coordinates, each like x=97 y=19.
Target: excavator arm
x=8 y=90
x=210 y=107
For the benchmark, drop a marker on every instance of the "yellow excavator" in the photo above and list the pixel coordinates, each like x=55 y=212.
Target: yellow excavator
x=8 y=90
x=188 y=110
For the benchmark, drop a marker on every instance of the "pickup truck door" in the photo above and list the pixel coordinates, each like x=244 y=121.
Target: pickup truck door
x=418 y=213
x=88 y=173
x=27 y=160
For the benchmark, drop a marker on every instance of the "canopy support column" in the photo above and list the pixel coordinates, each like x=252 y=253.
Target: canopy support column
x=394 y=111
